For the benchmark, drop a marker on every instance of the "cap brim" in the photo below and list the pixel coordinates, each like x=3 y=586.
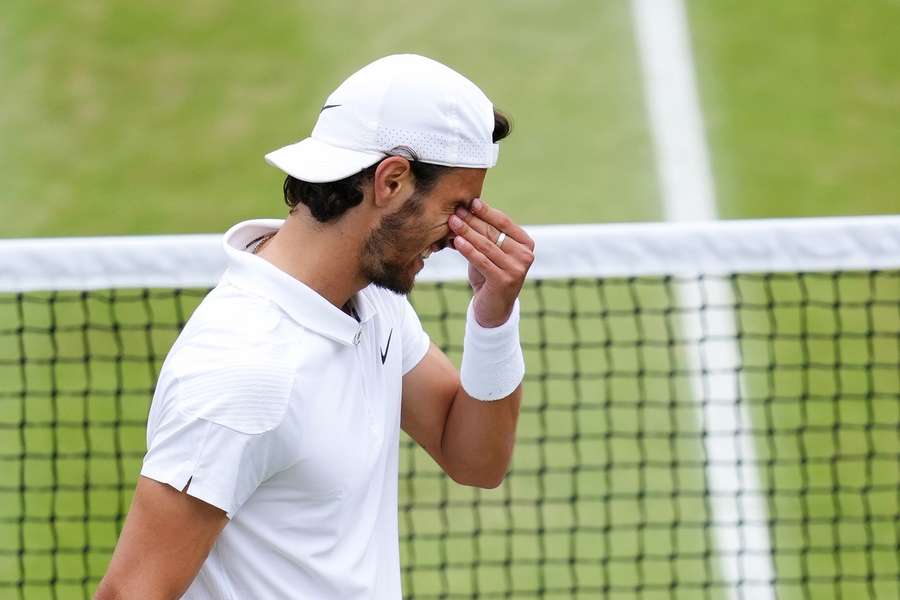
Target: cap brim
x=317 y=162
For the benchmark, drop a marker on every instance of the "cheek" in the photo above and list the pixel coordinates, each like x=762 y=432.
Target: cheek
x=408 y=239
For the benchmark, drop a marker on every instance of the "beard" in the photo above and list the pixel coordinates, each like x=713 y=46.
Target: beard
x=392 y=238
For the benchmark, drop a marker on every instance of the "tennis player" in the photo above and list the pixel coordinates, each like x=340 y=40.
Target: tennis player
x=273 y=437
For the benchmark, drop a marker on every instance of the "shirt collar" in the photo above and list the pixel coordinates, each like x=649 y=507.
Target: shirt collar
x=304 y=305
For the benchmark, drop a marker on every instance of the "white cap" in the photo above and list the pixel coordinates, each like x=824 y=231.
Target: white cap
x=401 y=100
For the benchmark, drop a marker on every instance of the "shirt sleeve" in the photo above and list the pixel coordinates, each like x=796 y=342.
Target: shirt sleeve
x=220 y=464
x=415 y=339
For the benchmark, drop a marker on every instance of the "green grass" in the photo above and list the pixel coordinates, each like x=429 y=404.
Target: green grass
x=153 y=118
x=799 y=99
x=147 y=119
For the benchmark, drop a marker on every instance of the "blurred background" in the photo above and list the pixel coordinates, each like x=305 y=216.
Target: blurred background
x=153 y=117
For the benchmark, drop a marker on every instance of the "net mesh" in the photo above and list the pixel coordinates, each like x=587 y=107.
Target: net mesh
x=626 y=432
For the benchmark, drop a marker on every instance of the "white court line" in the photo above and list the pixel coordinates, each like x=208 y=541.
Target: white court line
x=682 y=159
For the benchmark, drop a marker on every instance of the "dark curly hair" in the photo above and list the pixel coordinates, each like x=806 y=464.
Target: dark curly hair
x=328 y=201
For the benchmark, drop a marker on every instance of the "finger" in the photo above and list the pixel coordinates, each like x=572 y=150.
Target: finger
x=478 y=224
x=482 y=263
x=509 y=246
x=483 y=244
x=501 y=222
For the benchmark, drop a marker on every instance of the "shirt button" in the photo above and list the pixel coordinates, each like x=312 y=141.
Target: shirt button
x=357 y=337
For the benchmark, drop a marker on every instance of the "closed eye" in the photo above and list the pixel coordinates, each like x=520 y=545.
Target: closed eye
x=460 y=204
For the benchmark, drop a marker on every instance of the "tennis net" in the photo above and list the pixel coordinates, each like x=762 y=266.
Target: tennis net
x=711 y=411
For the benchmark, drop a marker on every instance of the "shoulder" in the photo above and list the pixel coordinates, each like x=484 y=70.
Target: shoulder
x=234 y=314
x=235 y=363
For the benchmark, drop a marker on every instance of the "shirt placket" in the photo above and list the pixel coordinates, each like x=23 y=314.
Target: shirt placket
x=363 y=341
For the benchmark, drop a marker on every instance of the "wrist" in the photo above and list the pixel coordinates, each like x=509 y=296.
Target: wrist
x=492 y=362
x=487 y=323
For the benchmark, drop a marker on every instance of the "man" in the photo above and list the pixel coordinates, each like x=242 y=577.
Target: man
x=273 y=437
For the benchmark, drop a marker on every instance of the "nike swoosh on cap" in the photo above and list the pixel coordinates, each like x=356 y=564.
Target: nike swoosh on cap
x=327 y=106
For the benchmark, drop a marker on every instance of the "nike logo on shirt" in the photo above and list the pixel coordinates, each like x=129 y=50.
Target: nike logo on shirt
x=327 y=106
x=386 y=348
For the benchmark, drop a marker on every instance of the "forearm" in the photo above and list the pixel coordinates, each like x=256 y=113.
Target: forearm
x=470 y=428
x=479 y=438
x=481 y=425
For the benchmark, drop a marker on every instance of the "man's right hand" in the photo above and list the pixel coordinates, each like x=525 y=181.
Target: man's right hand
x=166 y=537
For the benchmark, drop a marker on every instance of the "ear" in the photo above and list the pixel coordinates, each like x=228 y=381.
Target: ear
x=393 y=181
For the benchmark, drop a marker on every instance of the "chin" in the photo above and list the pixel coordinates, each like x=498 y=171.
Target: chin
x=402 y=288
x=396 y=277
x=395 y=280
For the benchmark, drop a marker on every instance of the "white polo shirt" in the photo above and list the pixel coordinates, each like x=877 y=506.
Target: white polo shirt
x=284 y=412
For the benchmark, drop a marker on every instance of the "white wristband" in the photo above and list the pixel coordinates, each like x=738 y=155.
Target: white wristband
x=492 y=361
